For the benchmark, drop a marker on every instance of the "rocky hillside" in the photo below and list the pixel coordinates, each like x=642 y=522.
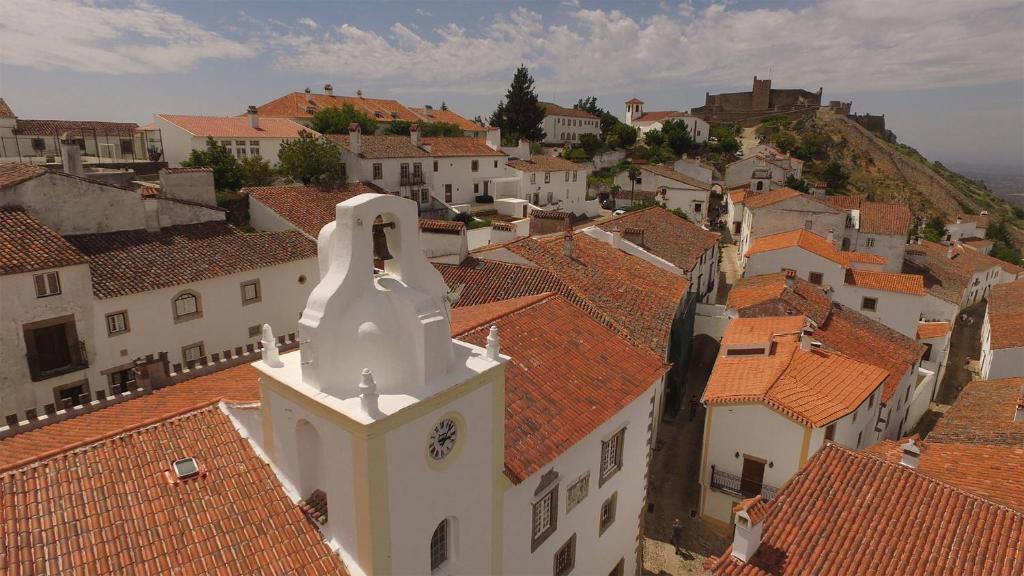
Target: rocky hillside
x=890 y=172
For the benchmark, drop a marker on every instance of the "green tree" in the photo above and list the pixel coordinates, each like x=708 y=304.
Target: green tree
x=934 y=229
x=444 y=105
x=520 y=114
x=834 y=175
x=654 y=138
x=622 y=136
x=726 y=139
x=591 y=144
x=797 y=183
x=786 y=141
x=256 y=171
x=336 y=120
x=398 y=127
x=311 y=160
x=227 y=174
x=677 y=136
x=440 y=129
x=1002 y=247
x=634 y=177
x=606 y=119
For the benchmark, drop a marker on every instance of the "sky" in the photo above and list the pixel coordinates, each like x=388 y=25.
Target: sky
x=947 y=74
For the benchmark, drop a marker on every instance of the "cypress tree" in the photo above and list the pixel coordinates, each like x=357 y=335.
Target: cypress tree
x=520 y=115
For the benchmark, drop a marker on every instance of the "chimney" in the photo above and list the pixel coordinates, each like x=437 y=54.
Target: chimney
x=831 y=237
x=328 y=89
x=368 y=393
x=493 y=343
x=428 y=110
x=359 y=93
x=567 y=244
x=494 y=139
x=254 y=118
x=951 y=250
x=414 y=134
x=746 y=539
x=71 y=155
x=355 y=138
x=309 y=95
x=805 y=341
x=911 y=454
x=269 y=349
x=1018 y=414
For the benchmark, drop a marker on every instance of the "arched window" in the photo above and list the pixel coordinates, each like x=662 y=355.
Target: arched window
x=186 y=306
x=439 y=544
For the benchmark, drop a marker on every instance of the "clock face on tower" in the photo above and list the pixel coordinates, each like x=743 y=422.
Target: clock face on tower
x=442 y=439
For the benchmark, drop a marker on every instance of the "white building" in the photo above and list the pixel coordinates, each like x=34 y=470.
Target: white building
x=673 y=190
x=874 y=227
x=565 y=125
x=773 y=399
x=646 y=121
x=549 y=183
x=966 y=227
x=695 y=169
x=781 y=166
x=244 y=136
x=1002 y=334
x=101 y=276
x=783 y=210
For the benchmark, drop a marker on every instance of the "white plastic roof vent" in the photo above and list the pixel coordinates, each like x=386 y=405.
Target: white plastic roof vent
x=185 y=468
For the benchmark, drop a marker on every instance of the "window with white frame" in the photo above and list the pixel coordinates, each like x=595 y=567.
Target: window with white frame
x=545 y=516
x=611 y=455
x=577 y=491
x=47 y=284
x=117 y=323
x=250 y=292
x=186 y=306
x=192 y=352
x=378 y=171
x=439 y=545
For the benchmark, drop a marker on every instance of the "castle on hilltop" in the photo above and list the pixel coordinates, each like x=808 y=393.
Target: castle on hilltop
x=871 y=122
x=761 y=101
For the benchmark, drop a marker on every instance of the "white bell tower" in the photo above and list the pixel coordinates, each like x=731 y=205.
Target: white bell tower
x=634 y=110
x=386 y=427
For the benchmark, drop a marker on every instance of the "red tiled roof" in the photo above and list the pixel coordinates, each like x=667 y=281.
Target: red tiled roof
x=660 y=116
x=442 y=226
x=134 y=261
x=633 y=293
x=1006 y=315
x=5 y=110
x=544 y=163
x=671 y=174
x=447 y=117
x=294 y=105
x=634 y=100
x=775 y=294
x=374 y=146
x=236 y=126
x=992 y=472
x=75 y=128
x=110 y=509
x=308 y=208
x=983 y=414
x=813 y=387
x=460 y=146
x=841 y=202
x=887 y=281
x=812 y=243
x=551 y=109
x=947 y=278
x=174 y=170
x=27 y=245
x=755 y=507
x=559 y=383
x=666 y=235
x=837 y=516
x=888 y=219
x=763 y=199
x=12 y=173
x=977 y=242
x=239 y=384
x=738 y=196
x=929 y=330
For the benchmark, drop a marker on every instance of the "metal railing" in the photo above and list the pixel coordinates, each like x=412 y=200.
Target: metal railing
x=733 y=484
x=414 y=180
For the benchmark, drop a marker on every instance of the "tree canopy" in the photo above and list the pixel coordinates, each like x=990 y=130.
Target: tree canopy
x=256 y=171
x=440 y=129
x=227 y=174
x=677 y=136
x=519 y=115
x=336 y=120
x=311 y=160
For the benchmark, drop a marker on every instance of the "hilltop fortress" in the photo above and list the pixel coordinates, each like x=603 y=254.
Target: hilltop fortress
x=761 y=101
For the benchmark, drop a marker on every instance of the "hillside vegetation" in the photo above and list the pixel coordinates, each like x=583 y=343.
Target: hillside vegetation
x=877 y=169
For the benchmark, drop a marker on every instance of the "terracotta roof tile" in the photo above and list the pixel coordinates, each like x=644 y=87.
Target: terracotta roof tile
x=929 y=330
x=812 y=243
x=179 y=170
x=551 y=109
x=1006 y=315
x=738 y=196
x=947 y=278
x=5 y=110
x=447 y=117
x=634 y=100
x=888 y=219
x=836 y=516
x=660 y=115
x=75 y=128
x=544 y=163
x=379 y=146
x=983 y=414
x=308 y=208
x=460 y=146
x=295 y=104
x=442 y=226
x=12 y=173
x=111 y=509
x=666 y=235
x=671 y=174
x=775 y=294
x=134 y=261
x=887 y=281
x=236 y=126
x=27 y=245
x=763 y=199
x=755 y=507
x=844 y=203
x=559 y=386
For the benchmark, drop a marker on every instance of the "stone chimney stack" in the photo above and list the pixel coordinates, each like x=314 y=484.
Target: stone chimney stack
x=414 y=135
x=831 y=236
x=1018 y=414
x=254 y=118
x=328 y=89
x=951 y=250
x=746 y=538
x=355 y=138
x=71 y=155
x=567 y=244
x=911 y=454
x=428 y=110
x=309 y=96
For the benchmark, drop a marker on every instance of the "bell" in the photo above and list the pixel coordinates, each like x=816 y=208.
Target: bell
x=380 y=244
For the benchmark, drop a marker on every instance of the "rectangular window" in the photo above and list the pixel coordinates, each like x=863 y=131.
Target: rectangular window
x=225 y=142
x=808 y=224
x=240 y=152
x=424 y=196
x=476 y=188
x=378 y=171
x=117 y=323
x=254 y=142
x=447 y=192
x=250 y=292
x=417 y=172
x=697 y=207
x=255 y=331
x=254 y=152
x=192 y=353
x=239 y=142
x=122 y=380
x=403 y=172
x=439 y=545
x=344 y=172
x=474 y=166
x=435 y=165
x=127 y=147
x=495 y=163
x=815 y=278
x=575 y=176
x=869 y=242
x=869 y=304
x=927 y=351
x=547 y=177
x=577 y=491
x=608 y=512
x=186 y=305
x=830 y=432
x=47 y=284
x=611 y=456
x=533 y=177
x=52 y=347
x=544 y=512
x=566 y=175
x=565 y=558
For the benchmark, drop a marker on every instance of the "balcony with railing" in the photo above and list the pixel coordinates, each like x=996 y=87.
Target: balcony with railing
x=411 y=180
x=739 y=486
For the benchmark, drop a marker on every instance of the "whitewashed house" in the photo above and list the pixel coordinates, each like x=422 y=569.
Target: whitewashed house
x=244 y=136
x=696 y=169
x=549 y=183
x=875 y=227
x=780 y=166
x=774 y=398
x=565 y=125
x=966 y=227
x=1002 y=334
x=104 y=275
x=785 y=209
x=671 y=189
x=647 y=121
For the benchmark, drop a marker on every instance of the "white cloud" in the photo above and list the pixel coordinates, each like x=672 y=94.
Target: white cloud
x=873 y=45
x=308 y=22
x=423 y=12
x=97 y=37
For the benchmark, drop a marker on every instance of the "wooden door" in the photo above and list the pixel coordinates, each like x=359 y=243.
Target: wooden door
x=752 y=478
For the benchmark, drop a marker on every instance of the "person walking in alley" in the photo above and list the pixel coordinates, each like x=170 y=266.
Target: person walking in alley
x=677 y=534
